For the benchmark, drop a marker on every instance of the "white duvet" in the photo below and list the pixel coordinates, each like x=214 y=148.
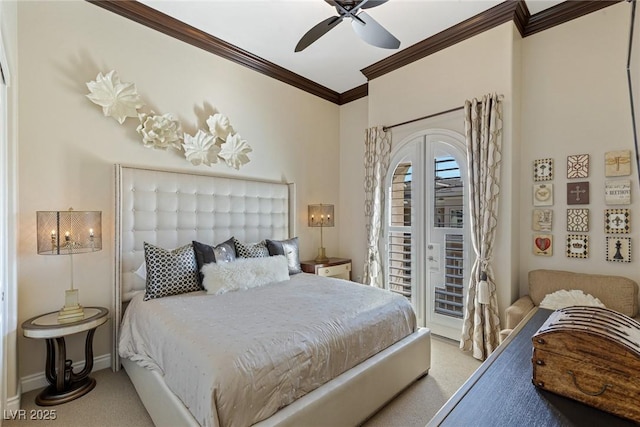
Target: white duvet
x=240 y=356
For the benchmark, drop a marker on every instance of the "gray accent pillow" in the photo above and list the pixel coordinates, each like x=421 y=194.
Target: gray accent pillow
x=170 y=272
x=288 y=248
x=205 y=254
x=250 y=250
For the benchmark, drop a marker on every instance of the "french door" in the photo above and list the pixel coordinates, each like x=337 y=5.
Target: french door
x=427 y=232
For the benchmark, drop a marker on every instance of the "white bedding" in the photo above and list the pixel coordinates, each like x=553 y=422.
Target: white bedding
x=241 y=356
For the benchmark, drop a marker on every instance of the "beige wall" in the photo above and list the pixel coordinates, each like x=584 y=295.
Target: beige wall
x=439 y=82
x=575 y=101
x=353 y=236
x=8 y=188
x=67 y=148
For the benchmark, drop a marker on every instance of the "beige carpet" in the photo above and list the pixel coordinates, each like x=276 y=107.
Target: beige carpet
x=114 y=402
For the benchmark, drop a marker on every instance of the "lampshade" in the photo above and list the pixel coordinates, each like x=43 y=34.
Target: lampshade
x=321 y=216
x=69 y=232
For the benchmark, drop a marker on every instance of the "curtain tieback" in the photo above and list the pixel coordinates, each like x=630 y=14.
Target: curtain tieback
x=483 y=289
x=483 y=295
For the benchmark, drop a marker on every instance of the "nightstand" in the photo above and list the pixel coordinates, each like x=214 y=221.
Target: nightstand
x=334 y=267
x=65 y=385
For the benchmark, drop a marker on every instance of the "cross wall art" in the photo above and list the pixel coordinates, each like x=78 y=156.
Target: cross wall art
x=578 y=193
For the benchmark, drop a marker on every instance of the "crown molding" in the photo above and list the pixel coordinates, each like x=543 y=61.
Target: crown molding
x=473 y=26
x=353 y=94
x=509 y=10
x=159 y=21
x=564 y=12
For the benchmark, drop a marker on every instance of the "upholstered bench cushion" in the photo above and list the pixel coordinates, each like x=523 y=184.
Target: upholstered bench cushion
x=616 y=292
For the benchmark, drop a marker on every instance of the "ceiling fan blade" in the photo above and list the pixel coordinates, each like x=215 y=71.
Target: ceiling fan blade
x=373 y=3
x=374 y=33
x=317 y=31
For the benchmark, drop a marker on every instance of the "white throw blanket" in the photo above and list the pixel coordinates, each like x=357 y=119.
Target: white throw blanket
x=241 y=356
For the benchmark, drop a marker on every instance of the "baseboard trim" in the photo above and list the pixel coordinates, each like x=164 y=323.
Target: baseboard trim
x=13 y=403
x=39 y=380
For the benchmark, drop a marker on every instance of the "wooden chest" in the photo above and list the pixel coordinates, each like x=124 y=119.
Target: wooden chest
x=592 y=355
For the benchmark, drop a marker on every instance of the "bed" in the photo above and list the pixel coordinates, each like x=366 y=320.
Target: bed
x=169 y=209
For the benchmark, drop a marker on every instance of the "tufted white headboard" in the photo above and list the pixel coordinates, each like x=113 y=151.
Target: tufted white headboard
x=170 y=209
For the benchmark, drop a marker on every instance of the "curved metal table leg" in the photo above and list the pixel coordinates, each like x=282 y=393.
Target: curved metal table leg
x=66 y=385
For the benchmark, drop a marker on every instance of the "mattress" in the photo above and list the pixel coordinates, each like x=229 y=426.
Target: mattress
x=235 y=359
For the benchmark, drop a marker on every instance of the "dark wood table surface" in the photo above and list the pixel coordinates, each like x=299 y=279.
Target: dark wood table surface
x=500 y=392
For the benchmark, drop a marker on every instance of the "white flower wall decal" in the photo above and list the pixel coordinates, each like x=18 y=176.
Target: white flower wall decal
x=118 y=100
x=159 y=131
x=201 y=148
x=220 y=126
x=162 y=131
x=234 y=151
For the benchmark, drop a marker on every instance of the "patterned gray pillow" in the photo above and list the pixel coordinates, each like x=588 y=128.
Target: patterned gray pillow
x=250 y=250
x=222 y=252
x=288 y=248
x=170 y=272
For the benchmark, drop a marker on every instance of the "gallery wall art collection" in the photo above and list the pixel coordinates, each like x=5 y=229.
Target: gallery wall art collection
x=617 y=218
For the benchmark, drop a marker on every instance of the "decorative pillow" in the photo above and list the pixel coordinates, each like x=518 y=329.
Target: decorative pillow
x=205 y=254
x=250 y=250
x=170 y=272
x=141 y=272
x=288 y=248
x=244 y=273
x=563 y=298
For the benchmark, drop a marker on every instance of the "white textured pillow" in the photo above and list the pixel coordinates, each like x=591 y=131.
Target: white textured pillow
x=244 y=273
x=563 y=298
x=141 y=272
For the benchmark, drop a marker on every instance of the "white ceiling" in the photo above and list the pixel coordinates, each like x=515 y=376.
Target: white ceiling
x=271 y=29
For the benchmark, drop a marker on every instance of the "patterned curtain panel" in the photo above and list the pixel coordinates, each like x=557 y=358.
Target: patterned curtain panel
x=483 y=132
x=376 y=163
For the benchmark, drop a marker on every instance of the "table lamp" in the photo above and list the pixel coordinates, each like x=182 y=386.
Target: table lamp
x=68 y=233
x=321 y=216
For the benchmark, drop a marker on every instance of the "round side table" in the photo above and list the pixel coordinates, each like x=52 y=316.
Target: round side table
x=65 y=385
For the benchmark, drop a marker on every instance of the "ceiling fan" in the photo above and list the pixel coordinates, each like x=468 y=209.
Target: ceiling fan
x=364 y=25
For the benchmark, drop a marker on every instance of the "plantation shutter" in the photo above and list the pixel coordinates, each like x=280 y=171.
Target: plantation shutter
x=400 y=220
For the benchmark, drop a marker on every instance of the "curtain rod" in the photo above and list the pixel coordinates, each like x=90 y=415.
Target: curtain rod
x=386 y=128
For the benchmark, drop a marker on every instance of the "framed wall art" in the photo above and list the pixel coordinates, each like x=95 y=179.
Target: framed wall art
x=578 y=220
x=578 y=246
x=619 y=249
x=578 y=166
x=543 y=244
x=578 y=193
x=542 y=194
x=617 y=163
x=617 y=221
x=542 y=220
x=617 y=192
x=543 y=170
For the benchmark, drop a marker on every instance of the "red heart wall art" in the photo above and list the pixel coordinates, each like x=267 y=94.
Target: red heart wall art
x=543 y=243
